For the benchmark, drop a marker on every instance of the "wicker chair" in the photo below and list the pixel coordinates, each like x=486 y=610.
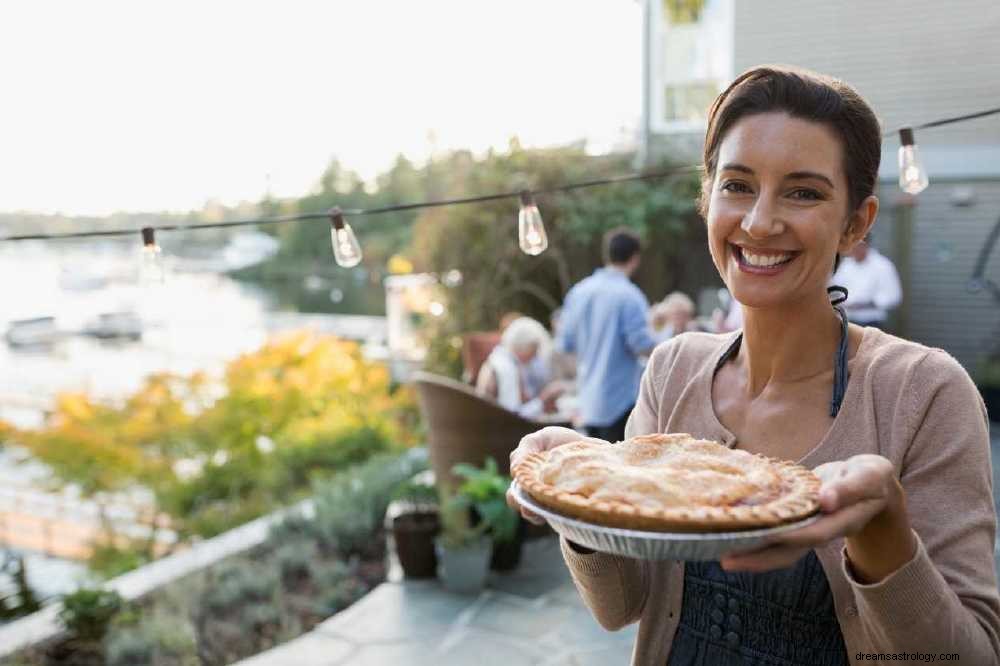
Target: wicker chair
x=464 y=426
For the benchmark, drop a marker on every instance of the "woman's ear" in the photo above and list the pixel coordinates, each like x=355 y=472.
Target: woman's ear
x=858 y=224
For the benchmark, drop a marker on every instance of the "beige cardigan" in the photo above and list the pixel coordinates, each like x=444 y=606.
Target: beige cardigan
x=914 y=405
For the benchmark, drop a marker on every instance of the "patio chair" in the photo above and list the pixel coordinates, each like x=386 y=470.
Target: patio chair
x=464 y=426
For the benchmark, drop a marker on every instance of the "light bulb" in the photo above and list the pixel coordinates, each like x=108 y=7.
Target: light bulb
x=346 y=249
x=912 y=175
x=530 y=230
x=151 y=269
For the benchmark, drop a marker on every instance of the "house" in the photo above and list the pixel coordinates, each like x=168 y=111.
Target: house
x=914 y=61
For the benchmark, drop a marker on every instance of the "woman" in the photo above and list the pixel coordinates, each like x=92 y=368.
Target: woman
x=902 y=558
x=516 y=372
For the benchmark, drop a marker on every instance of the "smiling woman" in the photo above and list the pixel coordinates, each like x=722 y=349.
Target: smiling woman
x=901 y=558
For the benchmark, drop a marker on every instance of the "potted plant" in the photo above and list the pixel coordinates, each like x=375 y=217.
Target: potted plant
x=415 y=523
x=485 y=489
x=988 y=381
x=463 y=550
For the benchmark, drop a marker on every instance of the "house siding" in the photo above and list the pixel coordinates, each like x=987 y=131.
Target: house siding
x=914 y=62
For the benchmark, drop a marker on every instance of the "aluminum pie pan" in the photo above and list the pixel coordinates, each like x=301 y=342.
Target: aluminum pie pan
x=645 y=545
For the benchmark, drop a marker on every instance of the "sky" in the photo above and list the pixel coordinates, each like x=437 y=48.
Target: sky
x=149 y=106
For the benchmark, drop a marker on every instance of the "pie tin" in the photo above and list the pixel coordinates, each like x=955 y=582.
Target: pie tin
x=644 y=545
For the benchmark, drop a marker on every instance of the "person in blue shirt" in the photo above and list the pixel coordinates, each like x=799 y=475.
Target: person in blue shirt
x=604 y=322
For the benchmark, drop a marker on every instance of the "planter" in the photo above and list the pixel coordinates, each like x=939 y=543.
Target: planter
x=414 y=536
x=991 y=396
x=507 y=555
x=464 y=570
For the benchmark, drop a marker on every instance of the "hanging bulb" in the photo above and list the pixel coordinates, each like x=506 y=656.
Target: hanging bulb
x=151 y=269
x=530 y=230
x=346 y=249
x=912 y=175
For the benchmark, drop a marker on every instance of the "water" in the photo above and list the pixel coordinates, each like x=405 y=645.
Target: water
x=198 y=319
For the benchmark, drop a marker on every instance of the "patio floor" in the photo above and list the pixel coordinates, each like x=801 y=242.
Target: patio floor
x=532 y=616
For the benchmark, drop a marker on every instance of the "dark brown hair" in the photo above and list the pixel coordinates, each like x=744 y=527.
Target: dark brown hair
x=808 y=96
x=621 y=244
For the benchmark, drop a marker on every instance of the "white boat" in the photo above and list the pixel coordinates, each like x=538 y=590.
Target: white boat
x=37 y=332
x=112 y=325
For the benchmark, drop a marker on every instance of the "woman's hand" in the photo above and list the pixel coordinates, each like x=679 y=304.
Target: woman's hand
x=860 y=499
x=542 y=440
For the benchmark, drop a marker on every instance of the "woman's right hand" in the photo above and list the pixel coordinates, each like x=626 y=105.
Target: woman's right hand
x=542 y=440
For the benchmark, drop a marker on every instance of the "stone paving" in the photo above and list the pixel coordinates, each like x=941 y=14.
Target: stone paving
x=532 y=616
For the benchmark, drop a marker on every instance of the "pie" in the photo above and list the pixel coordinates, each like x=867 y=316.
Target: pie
x=668 y=483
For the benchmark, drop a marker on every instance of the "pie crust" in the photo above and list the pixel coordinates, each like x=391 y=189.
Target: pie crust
x=668 y=483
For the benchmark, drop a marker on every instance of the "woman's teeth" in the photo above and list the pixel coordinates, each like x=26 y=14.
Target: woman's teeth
x=762 y=260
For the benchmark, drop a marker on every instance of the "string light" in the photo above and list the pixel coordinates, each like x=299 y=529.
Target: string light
x=346 y=249
x=912 y=175
x=530 y=230
x=151 y=270
x=348 y=252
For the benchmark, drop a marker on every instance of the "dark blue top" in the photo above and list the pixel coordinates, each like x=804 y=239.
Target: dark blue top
x=779 y=618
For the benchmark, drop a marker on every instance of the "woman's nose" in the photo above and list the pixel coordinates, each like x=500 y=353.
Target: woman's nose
x=761 y=221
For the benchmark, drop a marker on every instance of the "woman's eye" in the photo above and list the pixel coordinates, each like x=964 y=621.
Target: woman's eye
x=808 y=195
x=735 y=187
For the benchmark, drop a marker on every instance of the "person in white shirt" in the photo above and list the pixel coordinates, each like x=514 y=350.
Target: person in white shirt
x=872 y=285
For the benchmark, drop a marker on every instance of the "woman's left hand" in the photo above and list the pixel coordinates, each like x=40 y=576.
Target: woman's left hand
x=861 y=500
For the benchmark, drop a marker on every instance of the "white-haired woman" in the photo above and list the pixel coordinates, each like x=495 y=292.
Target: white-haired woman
x=516 y=372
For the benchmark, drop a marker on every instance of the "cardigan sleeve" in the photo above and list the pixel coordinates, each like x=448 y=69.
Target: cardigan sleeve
x=614 y=587
x=945 y=599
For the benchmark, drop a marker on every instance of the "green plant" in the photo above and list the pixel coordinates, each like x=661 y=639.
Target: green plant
x=350 y=507
x=21 y=600
x=416 y=492
x=457 y=530
x=108 y=560
x=484 y=489
x=87 y=613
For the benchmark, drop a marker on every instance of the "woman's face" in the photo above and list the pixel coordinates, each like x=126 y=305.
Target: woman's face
x=778 y=209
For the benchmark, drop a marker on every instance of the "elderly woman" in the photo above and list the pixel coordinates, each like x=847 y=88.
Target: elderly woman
x=672 y=316
x=901 y=559
x=516 y=374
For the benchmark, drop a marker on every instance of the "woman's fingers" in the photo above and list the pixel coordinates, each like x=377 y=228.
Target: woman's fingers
x=545 y=439
x=860 y=478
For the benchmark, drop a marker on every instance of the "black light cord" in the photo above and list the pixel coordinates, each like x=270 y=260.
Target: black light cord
x=362 y=211
x=946 y=121
x=443 y=202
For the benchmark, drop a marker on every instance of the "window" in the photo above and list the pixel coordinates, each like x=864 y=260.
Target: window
x=693 y=60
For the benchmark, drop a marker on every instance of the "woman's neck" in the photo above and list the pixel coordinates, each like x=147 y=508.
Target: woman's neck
x=789 y=344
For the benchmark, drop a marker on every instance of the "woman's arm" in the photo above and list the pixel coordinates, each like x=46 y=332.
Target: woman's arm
x=918 y=550
x=944 y=599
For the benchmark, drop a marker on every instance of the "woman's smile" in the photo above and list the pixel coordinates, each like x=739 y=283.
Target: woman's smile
x=759 y=261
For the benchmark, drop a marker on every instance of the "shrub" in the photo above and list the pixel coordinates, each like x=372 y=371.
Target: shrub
x=350 y=506
x=87 y=613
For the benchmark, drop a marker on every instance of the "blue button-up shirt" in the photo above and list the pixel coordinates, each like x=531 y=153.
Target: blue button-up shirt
x=604 y=322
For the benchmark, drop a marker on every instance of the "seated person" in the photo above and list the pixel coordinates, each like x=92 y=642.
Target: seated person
x=671 y=316
x=516 y=373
